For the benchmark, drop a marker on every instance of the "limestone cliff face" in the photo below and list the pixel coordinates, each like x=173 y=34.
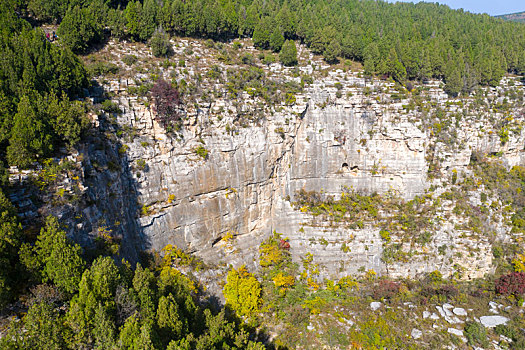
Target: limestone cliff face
x=151 y=188
x=243 y=184
x=248 y=180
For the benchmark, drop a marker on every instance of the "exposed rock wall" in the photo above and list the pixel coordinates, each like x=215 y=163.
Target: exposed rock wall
x=150 y=188
x=323 y=143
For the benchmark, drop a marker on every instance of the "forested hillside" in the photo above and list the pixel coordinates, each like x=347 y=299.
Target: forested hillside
x=37 y=115
x=37 y=83
x=403 y=40
x=516 y=17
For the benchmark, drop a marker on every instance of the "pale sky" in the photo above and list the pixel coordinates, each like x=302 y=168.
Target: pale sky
x=492 y=7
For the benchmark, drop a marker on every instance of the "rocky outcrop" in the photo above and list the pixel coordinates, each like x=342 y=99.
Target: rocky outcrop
x=342 y=131
x=248 y=180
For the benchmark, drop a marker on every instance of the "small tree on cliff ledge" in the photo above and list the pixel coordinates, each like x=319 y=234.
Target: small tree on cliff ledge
x=167 y=104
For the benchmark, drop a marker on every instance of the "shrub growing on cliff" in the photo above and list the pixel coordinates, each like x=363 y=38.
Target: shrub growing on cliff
x=386 y=290
x=272 y=252
x=512 y=283
x=201 y=151
x=167 y=104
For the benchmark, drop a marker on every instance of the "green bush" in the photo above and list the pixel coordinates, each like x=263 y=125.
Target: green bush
x=110 y=107
x=506 y=331
x=385 y=235
x=476 y=334
x=98 y=68
x=288 y=54
x=160 y=44
x=141 y=164
x=201 y=151
x=129 y=59
x=268 y=59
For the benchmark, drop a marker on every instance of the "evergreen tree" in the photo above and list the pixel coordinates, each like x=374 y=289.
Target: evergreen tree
x=228 y=16
x=68 y=118
x=29 y=139
x=133 y=15
x=288 y=54
x=332 y=51
x=261 y=34
x=454 y=83
x=54 y=257
x=276 y=40
x=135 y=336
x=395 y=68
x=144 y=285
x=148 y=20
x=252 y=18
x=104 y=330
x=10 y=240
x=44 y=329
x=117 y=23
x=97 y=289
x=169 y=319
x=369 y=67
x=80 y=29
x=160 y=44
x=48 y=10
x=286 y=21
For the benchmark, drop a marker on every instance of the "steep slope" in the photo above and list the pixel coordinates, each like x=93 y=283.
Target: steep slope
x=339 y=133
x=516 y=17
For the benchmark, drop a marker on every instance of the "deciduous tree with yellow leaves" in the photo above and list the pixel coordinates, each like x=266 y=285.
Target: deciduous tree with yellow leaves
x=243 y=292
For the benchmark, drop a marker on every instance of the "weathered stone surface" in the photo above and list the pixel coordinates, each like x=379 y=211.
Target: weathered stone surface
x=493 y=321
x=458 y=333
x=416 y=333
x=459 y=311
x=375 y=305
x=165 y=193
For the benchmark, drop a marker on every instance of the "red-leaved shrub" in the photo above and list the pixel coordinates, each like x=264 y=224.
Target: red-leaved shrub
x=447 y=290
x=284 y=244
x=386 y=289
x=512 y=283
x=167 y=103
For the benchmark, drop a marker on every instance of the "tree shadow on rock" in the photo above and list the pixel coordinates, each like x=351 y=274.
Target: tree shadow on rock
x=111 y=200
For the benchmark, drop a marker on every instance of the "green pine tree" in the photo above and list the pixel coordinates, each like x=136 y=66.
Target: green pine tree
x=288 y=54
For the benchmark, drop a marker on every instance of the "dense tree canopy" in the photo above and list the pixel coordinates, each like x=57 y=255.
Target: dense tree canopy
x=115 y=307
x=80 y=29
x=402 y=40
x=38 y=81
x=10 y=240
